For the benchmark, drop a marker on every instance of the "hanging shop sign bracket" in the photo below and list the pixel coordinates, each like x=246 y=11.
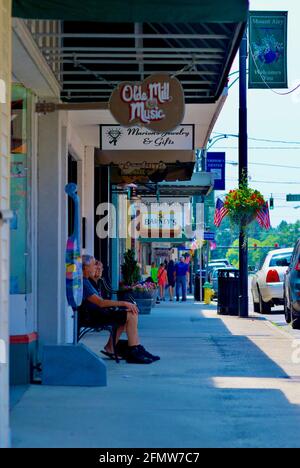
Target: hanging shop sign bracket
x=48 y=107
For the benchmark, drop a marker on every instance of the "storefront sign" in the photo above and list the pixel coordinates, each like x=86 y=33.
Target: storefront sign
x=156 y=103
x=215 y=163
x=268 y=49
x=142 y=168
x=209 y=236
x=162 y=222
x=115 y=137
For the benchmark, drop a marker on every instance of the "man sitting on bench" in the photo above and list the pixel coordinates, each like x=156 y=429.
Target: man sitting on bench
x=125 y=314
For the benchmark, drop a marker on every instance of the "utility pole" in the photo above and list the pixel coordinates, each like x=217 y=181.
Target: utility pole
x=243 y=176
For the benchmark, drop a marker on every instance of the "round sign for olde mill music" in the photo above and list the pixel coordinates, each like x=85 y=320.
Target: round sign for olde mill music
x=156 y=103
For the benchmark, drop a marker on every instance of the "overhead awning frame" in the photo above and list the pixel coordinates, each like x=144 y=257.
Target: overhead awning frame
x=119 y=11
x=101 y=44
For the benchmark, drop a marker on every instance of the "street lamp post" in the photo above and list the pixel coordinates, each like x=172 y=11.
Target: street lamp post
x=243 y=175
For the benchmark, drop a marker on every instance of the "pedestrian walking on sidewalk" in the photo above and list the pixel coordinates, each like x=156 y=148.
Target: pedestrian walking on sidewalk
x=154 y=276
x=181 y=271
x=171 y=278
x=162 y=280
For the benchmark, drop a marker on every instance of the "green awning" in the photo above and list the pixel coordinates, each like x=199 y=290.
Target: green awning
x=161 y=11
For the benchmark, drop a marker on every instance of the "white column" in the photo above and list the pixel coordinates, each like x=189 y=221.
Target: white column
x=5 y=77
x=52 y=221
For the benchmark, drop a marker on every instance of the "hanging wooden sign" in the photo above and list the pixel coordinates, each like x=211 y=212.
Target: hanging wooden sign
x=156 y=103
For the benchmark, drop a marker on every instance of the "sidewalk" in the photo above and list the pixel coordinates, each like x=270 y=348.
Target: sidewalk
x=221 y=382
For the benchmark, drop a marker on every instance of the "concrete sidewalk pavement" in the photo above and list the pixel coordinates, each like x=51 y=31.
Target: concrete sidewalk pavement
x=221 y=382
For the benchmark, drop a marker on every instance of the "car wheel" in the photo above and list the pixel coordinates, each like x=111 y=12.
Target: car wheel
x=264 y=307
x=287 y=311
x=255 y=306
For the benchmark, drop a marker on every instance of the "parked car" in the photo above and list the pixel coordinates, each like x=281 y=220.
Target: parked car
x=292 y=289
x=267 y=282
x=214 y=278
x=220 y=260
x=213 y=266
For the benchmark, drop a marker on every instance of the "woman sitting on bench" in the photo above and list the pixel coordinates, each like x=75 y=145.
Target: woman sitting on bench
x=124 y=313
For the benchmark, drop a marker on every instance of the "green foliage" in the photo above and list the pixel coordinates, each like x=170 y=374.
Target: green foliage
x=233 y=254
x=130 y=269
x=285 y=235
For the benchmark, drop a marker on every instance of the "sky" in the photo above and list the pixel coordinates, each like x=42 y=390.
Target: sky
x=270 y=117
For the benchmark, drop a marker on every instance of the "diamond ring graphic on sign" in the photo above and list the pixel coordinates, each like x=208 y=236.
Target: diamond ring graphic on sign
x=114 y=135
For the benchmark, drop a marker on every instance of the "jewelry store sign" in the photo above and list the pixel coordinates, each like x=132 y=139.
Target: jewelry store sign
x=115 y=137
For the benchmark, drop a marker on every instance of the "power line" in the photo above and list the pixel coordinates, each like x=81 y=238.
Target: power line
x=265 y=164
x=279 y=182
x=265 y=82
x=267 y=140
x=282 y=148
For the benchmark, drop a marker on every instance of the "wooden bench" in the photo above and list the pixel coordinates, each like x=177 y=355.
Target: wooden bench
x=107 y=289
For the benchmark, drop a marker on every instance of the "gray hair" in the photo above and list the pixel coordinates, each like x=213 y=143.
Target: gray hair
x=87 y=260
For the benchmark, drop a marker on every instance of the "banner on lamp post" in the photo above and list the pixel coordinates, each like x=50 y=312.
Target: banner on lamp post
x=268 y=49
x=215 y=163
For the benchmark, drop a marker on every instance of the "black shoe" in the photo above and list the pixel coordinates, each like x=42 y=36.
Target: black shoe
x=135 y=356
x=122 y=348
x=147 y=354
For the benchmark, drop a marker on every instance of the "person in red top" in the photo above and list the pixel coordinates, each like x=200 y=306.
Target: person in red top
x=162 y=277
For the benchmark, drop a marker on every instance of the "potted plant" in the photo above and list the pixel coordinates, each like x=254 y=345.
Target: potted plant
x=130 y=269
x=131 y=287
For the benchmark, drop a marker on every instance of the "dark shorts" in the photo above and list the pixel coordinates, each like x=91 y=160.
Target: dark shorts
x=100 y=316
x=171 y=282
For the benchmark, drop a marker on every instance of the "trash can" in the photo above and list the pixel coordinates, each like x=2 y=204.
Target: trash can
x=228 y=292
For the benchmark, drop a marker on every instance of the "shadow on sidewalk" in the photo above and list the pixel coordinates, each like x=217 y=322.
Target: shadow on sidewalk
x=196 y=396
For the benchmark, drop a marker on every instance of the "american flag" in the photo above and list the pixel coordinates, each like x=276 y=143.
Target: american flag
x=220 y=212
x=263 y=216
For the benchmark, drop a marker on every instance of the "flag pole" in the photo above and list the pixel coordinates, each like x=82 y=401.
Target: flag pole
x=243 y=176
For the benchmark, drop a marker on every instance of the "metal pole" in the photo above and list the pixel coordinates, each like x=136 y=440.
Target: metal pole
x=243 y=175
x=115 y=244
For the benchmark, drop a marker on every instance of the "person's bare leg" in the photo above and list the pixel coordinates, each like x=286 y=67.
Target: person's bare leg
x=109 y=345
x=132 y=330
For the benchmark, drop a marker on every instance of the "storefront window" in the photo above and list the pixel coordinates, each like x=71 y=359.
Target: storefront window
x=20 y=264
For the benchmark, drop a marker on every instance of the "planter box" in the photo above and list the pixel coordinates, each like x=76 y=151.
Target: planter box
x=144 y=300
x=144 y=305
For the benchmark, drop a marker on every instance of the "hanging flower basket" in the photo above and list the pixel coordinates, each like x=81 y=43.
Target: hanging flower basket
x=242 y=218
x=243 y=205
